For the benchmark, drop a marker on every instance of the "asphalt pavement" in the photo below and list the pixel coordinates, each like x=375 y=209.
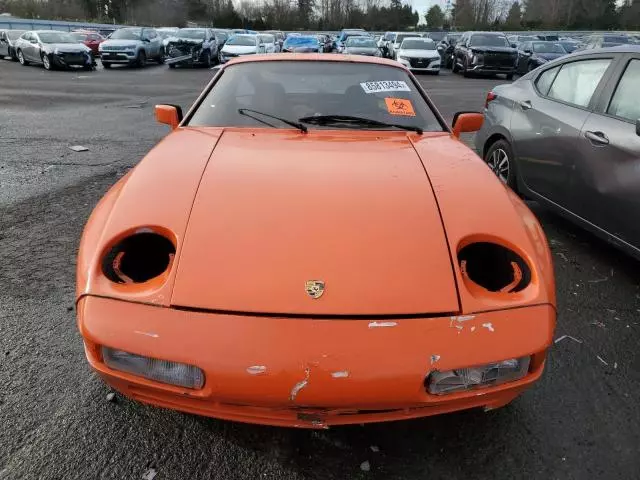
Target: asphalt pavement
x=581 y=421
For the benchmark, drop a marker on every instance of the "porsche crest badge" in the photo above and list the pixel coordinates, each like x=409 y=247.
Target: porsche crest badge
x=314 y=288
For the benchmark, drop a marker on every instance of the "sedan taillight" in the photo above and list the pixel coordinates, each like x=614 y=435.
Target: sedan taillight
x=490 y=98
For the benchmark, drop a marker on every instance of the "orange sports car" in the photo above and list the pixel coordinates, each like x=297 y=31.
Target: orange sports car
x=312 y=245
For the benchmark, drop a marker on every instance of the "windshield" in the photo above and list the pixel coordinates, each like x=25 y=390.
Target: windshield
x=544 y=47
x=415 y=44
x=436 y=36
x=56 y=37
x=297 y=89
x=267 y=38
x=242 y=40
x=126 y=34
x=361 y=42
x=194 y=33
x=488 y=41
x=301 y=42
x=402 y=36
x=80 y=37
x=569 y=46
x=611 y=44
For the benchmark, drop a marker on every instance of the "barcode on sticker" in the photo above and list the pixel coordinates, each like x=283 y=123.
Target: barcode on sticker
x=385 y=86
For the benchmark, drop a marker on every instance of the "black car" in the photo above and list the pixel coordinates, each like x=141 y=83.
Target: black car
x=445 y=48
x=190 y=46
x=533 y=54
x=485 y=53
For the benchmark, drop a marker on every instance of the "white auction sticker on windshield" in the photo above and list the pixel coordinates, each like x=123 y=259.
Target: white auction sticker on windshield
x=385 y=86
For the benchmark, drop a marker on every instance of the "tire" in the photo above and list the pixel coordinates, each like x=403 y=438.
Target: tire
x=172 y=65
x=437 y=72
x=465 y=72
x=141 y=59
x=46 y=62
x=106 y=65
x=454 y=66
x=206 y=60
x=161 y=58
x=12 y=54
x=501 y=161
x=21 y=59
x=509 y=76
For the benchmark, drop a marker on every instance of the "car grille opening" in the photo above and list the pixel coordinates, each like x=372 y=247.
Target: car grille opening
x=138 y=258
x=494 y=267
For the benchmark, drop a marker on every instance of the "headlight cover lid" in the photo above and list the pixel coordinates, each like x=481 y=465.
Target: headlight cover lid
x=489 y=375
x=164 y=371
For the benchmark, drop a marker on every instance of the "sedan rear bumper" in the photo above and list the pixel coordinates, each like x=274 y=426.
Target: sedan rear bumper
x=312 y=373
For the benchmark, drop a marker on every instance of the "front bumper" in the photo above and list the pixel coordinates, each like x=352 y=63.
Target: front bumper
x=419 y=65
x=64 y=60
x=492 y=69
x=126 y=57
x=352 y=371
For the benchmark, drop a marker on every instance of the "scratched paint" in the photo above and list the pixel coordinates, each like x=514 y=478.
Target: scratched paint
x=435 y=359
x=300 y=385
x=382 y=324
x=340 y=374
x=148 y=334
x=463 y=318
x=256 y=369
x=489 y=327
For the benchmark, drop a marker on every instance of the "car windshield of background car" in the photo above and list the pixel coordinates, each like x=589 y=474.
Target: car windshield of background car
x=242 y=41
x=56 y=37
x=295 y=89
x=414 y=44
x=488 y=41
x=191 y=33
x=80 y=37
x=265 y=38
x=547 y=47
x=402 y=36
x=126 y=34
x=361 y=42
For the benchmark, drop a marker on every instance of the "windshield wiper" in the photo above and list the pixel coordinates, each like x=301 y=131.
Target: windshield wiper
x=349 y=120
x=299 y=126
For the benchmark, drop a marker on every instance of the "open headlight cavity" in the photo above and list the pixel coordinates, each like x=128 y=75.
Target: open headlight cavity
x=164 y=371
x=491 y=374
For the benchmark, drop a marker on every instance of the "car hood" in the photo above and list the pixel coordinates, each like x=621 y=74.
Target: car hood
x=480 y=49
x=361 y=50
x=119 y=43
x=257 y=213
x=275 y=210
x=418 y=53
x=548 y=56
x=239 y=49
x=67 y=47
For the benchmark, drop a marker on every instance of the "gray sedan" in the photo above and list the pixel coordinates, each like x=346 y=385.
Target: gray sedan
x=53 y=50
x=361 y=45
x=568 y=136
x=7 y=43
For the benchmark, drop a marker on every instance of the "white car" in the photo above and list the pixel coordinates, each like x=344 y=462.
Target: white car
x=419 y=54
x=398 y=38
x=241 y=44
x=269 y=42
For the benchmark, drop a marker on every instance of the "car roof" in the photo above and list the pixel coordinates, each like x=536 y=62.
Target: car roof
x=315 y=57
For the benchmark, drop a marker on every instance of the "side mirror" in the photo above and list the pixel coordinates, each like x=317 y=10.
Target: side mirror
x=465 y=122
x=146 y=40
x=169 y=115
x=34 y=41
x=514 y=45
x=528 y=50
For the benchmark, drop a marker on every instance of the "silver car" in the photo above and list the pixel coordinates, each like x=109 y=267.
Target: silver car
x=7 y=43
x=362 y=45
x=132 y=46
x=52 y=49
x=568 y=135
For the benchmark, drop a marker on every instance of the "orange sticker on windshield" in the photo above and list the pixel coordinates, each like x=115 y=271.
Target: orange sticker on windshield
x=400 y=106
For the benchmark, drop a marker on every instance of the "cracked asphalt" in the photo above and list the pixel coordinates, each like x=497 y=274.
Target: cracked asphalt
x=581 y=421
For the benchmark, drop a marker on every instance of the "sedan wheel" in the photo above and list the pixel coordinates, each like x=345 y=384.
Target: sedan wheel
x=499 y=163
x=500 y=159
x=46 y=62
x=21 y=58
